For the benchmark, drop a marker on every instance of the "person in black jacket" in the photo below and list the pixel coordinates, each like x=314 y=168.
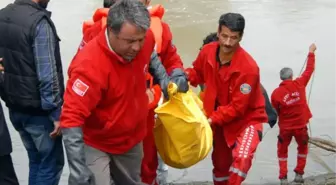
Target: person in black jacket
x=271 y=113
x=33 y=85
x=7 y=173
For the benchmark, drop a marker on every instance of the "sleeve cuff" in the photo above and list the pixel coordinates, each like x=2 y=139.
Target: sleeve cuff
x=56 y=114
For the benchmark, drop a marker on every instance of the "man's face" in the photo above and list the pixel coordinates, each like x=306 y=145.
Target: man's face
x=43 y=3
x=229 y=40
x=128 y=42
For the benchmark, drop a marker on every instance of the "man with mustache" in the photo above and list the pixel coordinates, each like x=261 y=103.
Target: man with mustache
x=233 y=100
x=33 y=85
x=271 y=113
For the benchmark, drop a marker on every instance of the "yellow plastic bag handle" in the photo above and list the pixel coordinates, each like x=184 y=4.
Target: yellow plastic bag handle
x=172 y=89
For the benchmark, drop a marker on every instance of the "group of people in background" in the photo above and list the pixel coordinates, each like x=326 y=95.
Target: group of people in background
x=104 y=115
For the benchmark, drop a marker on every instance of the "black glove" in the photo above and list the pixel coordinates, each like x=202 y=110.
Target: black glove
x=179 y=77
x=270 y=111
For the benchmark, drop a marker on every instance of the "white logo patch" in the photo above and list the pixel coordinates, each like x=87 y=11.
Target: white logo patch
x=80 y=87
x=245 y=88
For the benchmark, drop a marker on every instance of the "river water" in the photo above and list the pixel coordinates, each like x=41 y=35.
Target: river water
x=278 y=34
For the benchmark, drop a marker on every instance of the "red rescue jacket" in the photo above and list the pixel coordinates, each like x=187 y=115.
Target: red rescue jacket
x=290 y=101
x=106 y=96
x=240 y=102
x=163 y=39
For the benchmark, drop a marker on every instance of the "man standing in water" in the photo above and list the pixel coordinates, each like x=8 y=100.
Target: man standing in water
x=290 y=101
x=33 y=85
x=233 y=100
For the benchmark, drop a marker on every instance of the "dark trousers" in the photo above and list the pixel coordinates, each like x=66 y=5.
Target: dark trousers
x=7 y=173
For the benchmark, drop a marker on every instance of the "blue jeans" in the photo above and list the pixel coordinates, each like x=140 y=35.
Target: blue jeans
x=46 y=157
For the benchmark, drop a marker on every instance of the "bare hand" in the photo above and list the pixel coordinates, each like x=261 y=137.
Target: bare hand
x=150 y=95
x=1 y=66
x=312 y=48
x=57 y=130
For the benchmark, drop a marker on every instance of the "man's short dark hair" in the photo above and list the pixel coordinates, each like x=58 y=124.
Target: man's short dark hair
x=234 y=21
x=109 y=3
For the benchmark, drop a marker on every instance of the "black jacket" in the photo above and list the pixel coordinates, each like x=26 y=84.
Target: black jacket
x=18 y=22
x=271 y=113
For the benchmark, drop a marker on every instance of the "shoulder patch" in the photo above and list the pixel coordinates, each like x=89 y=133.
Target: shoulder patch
x=80 y=87
x=245 y=88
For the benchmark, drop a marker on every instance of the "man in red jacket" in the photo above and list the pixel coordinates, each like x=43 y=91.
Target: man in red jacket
x=290 y=101
x=233 y=100
x=103 y=118
x=164 y=61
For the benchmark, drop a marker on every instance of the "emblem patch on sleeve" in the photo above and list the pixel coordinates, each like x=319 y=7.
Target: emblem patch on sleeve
x=80 y=87
x=245 y=88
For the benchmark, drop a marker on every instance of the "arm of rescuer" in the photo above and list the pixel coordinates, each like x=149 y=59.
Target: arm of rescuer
x=196 y=74
x=270 y=111
x=310 y=67
x=172 y=62
x=241 y=94
x=159 y=73
x=82 y=94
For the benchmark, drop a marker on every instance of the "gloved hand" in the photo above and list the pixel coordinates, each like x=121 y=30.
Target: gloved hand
x=179 y=77
x=80 y=174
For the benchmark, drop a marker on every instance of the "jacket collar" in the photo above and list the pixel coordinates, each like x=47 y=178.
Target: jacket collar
x=235 y=61
x=285 y=82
